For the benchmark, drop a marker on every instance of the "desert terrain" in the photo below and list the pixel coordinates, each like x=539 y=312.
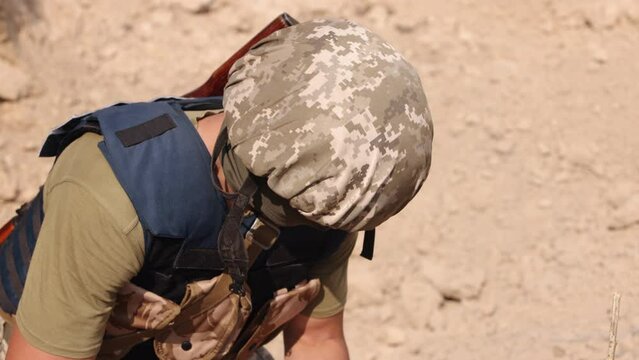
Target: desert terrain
x=529 y=220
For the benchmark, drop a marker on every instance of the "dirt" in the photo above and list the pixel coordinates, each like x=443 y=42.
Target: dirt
x=530 y=218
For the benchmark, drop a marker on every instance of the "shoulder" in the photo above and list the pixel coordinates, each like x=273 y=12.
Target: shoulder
x=82 y=165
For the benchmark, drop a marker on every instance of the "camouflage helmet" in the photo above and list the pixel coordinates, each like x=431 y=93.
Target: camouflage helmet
x=333 y=120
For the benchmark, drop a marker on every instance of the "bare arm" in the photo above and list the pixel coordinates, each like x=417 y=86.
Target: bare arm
x=315 y=338
x=19 y=349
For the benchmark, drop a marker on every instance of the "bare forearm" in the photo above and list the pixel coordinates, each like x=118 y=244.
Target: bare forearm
x=20 y=349
x=310 y=338
x=328 y=349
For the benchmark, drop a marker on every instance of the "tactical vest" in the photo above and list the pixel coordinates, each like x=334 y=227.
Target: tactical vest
x=179 y=303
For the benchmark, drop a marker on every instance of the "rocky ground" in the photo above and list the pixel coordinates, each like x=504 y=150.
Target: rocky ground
x=530 y=218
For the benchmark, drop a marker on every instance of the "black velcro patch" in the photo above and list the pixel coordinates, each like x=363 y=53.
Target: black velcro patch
x=145 y=131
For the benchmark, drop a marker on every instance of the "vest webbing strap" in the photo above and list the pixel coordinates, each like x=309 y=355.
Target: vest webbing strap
x=368 y=248
x=218 y=293
x=145 y=131
x=230 y=245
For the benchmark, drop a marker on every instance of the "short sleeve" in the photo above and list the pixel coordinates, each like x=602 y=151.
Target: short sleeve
x=81 y=259
x=332 y=273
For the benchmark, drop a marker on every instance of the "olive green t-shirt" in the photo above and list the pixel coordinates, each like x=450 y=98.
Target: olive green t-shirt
x=91 y=243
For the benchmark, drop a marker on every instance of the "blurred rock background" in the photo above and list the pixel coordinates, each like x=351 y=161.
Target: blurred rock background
x=530 y=217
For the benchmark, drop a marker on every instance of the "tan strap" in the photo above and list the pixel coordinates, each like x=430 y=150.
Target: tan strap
x=10 y=319
x=112 y=345
x=261 y=236
x=218 y=293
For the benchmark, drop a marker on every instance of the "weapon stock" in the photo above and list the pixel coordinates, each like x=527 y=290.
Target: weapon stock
x=6 y=230
x=214 y=86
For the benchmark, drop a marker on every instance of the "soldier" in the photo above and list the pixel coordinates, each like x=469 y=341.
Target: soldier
x=145 y=246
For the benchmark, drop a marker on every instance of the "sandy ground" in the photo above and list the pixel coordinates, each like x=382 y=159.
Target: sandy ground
x=530 y=218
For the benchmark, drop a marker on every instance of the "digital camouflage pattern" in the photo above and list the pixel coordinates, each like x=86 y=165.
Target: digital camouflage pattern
x=213 y=319
x=137 y=308
x=335 y=118
x=285 y=306
x=209 y=318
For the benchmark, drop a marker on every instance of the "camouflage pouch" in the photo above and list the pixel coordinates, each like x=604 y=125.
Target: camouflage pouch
x=140 y=309
x=137 y=315
x=285 y=306
x=202 y=327
x=211 y=319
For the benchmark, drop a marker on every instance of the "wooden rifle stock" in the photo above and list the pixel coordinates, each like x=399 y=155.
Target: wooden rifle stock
x=214 y=86
x=6 y=230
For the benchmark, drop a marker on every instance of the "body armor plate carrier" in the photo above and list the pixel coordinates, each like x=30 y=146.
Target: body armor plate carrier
x=164 y=167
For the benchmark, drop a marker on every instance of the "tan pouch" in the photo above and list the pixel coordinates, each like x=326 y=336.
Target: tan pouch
x=140 y=309
x=211 y=319
x=284 y=307
x=202 y=327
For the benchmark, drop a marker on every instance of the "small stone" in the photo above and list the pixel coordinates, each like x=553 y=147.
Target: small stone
x=465 y=35
x=361 y=296
x=471 y=120
x=598 y=53
x=544 y=150
x=438 y=322
x=456 y=129
x=15 y=84
x=410 y=25
x=558 y=351
x=379 y=14
x=488 y=308
x=145 y=29
x=196 y=6
x=504 y=146
x=544 y=203
x=419 y=300
x=456 y=281
x=108 y=52
x=162 y=17
x=610 y=14
x=524 y=124
x=31 y=146
x=242 y=26
x=395 y=337
x=9 y=186
x=386 y=313
x=627 y=215
x=618 y=195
